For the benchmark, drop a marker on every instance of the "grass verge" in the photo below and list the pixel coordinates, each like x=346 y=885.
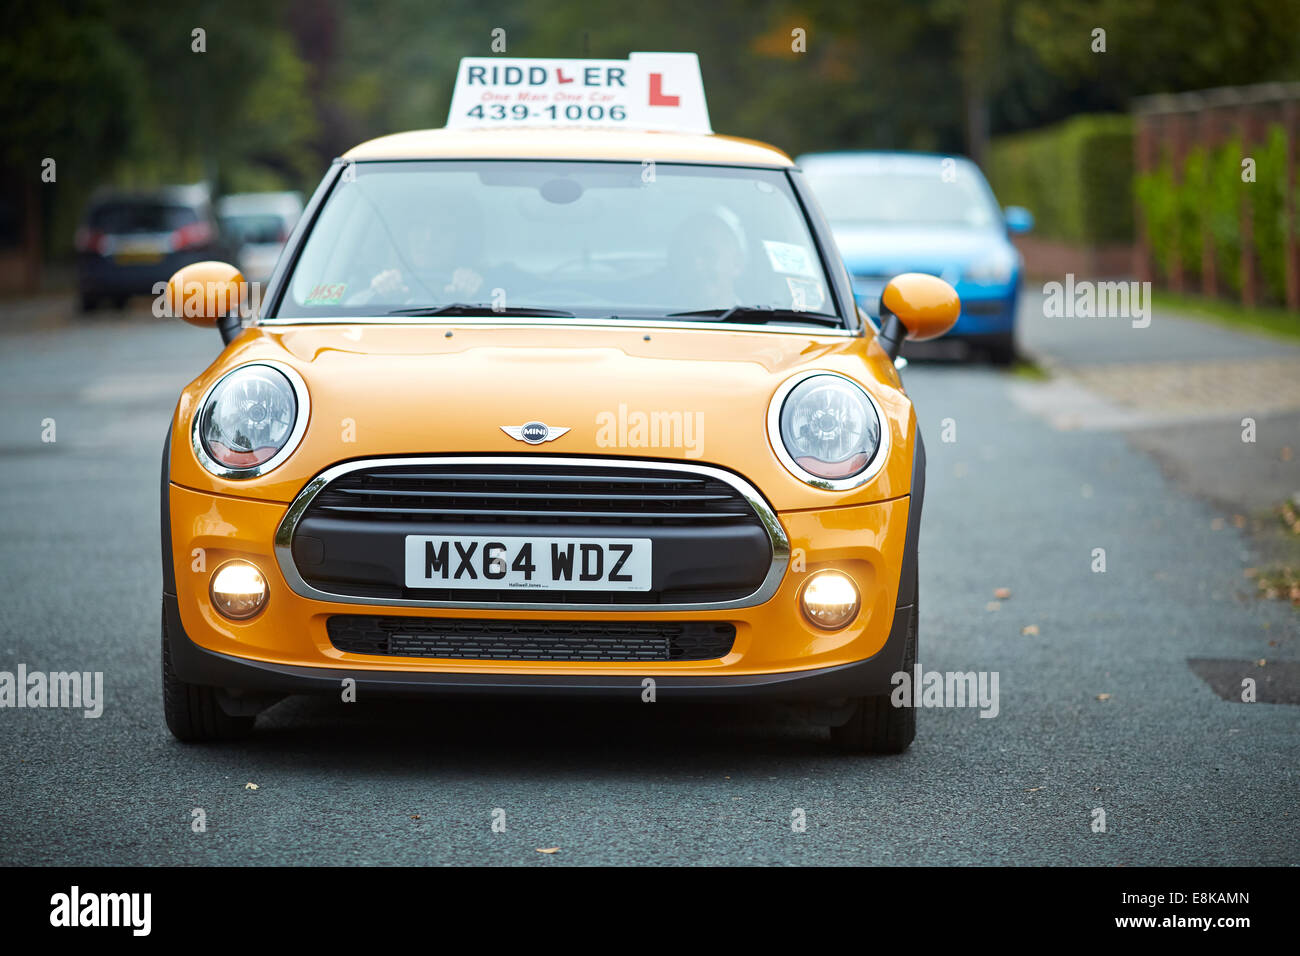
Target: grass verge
x=1270 y=321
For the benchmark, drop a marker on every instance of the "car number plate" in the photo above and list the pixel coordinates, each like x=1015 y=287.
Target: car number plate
x=515 y=563
x=137 y=252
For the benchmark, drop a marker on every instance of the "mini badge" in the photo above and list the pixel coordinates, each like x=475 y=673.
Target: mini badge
x=535 y=433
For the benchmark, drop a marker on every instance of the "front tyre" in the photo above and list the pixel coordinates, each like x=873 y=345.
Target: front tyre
x=876 y=725
x=193 y=713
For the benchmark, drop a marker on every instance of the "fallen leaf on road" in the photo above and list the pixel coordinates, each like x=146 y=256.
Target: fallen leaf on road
x=1033 y=789
x=250 y=786
x=415 y=816
x=1029 y=630
x=1262 y=662
x=1103 y=696
x=549 y=849
x=1002 y=593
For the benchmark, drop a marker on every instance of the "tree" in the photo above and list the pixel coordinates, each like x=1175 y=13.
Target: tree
x=70 y=92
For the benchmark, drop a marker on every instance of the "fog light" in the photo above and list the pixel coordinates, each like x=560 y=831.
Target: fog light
x=830 y=599
x=238 y=590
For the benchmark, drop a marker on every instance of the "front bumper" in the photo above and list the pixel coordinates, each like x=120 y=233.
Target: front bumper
x=985 y=315
x=198 y=665
x=287 y=648
x=776 y=652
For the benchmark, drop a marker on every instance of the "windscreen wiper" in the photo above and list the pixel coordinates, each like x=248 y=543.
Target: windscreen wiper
x=476 y=308
x=764 y=313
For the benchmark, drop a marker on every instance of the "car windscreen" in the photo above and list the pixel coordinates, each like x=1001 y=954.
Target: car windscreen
x=908 y=193
x=119 y=218
x=633 y=240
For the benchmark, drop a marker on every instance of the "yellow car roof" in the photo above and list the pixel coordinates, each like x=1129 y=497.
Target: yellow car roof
x=579 y=144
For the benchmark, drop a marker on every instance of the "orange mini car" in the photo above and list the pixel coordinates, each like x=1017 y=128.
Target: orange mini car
x=517 y=417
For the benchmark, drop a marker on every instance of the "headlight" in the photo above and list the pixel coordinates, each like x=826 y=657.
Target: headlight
x=251 y=420
x=827 y=430
x=996 y=267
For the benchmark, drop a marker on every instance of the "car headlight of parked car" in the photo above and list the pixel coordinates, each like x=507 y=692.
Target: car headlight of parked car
x=827 y=431
x=250 y=420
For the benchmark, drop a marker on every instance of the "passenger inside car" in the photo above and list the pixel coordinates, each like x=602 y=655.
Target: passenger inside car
x=706 y=258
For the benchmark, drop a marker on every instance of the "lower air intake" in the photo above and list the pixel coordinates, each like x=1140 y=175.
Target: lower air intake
x=531 y=640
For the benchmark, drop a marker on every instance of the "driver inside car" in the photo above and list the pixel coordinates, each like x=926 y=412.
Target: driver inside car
x=440 y=248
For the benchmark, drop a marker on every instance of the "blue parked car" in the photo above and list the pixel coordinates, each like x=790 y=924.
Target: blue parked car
x=920 y=212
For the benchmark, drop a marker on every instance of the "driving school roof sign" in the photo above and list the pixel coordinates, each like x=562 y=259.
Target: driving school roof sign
x=661 y=91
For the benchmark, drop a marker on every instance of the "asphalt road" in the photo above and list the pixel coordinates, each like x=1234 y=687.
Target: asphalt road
x=1017 y=502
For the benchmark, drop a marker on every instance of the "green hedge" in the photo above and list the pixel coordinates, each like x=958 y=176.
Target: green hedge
x=1209 y=197
x=1075 y=177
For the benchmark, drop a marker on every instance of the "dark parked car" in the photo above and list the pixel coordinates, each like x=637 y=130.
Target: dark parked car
x=129 y=241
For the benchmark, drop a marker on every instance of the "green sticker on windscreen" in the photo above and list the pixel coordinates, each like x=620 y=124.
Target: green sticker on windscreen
x=326 y=294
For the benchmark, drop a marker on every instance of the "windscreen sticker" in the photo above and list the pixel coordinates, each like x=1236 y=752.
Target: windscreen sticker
x=326 y=294
x=806 y=295
x=789 y=259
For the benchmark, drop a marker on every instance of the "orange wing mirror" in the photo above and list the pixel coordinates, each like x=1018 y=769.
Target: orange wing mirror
x=918 y=307
x=208 y=294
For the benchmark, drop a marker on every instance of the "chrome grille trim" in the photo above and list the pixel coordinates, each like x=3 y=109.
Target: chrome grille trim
x=776 y=534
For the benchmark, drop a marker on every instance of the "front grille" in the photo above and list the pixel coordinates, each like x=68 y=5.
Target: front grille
x=714 y=541
x=531 y=640
x=523 y=494
x=709 y=543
